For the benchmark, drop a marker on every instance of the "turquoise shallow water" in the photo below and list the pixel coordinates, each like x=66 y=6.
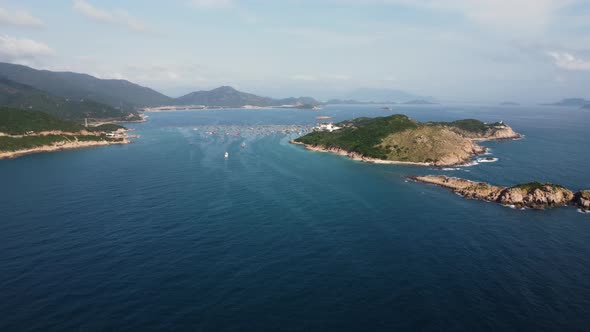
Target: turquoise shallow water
x=167 y=234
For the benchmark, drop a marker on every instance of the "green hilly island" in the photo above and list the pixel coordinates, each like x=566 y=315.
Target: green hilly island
x=398 y=138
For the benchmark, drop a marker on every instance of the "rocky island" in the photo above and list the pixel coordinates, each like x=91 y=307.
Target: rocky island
x=398 y=139
x=24 y=132
x=532 y=195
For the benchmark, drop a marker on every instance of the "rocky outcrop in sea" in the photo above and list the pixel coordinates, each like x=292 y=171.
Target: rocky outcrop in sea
x=582 y=200
x=532 y=195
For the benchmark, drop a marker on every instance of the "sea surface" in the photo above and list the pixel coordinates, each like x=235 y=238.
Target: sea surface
x=167 y=234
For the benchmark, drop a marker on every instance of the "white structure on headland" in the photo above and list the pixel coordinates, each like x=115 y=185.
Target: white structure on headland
x=326 y=127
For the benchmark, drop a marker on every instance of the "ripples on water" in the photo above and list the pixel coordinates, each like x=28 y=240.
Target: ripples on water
x=168 y=234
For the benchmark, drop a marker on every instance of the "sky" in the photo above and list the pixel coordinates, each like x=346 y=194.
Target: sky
x=455 y=50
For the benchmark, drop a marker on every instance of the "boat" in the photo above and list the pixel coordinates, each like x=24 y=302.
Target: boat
x=243 y=145
x=226 y=155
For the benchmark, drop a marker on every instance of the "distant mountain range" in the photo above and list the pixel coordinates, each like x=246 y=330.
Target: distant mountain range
x=116 y=93
x=572 y=102
x=22 y=96
x=371 y=95
x=76 y=96
x=227 y=96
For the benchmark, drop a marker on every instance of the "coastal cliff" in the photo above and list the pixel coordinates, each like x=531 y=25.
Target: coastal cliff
x=398 y=139
x=532 y=195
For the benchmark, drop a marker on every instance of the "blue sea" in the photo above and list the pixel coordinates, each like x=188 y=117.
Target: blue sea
x=167 y=234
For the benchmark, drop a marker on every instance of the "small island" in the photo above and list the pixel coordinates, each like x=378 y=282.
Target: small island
x=571 y=102
x=398 y=139
x=24 y=132
x=419 y=102
x=532 y=195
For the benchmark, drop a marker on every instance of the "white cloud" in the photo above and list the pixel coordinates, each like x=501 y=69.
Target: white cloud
x=568 y=61
x=16 y=49
x=19 y=18
x=92 y=12
x=212 y=4
x=118 y=16
x=516 y=16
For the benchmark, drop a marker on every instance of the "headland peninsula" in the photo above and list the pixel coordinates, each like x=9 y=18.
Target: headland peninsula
x=24 y=132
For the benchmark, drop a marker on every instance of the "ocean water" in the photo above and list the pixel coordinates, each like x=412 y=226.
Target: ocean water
x=167 y=234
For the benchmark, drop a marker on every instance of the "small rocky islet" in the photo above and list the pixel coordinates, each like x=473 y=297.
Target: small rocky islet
x=532 y=195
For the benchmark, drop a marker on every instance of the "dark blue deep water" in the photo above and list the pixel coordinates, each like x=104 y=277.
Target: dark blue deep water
x=165 y=234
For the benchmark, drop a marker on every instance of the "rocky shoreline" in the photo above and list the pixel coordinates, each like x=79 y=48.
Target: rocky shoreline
x=454 y=161
x=530 y=195
x=356 y=156
x=65 y=145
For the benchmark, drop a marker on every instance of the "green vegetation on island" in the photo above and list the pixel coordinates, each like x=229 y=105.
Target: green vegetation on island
x=361 y=135
x=400 y=138
x=532 y=186
x=473 y=126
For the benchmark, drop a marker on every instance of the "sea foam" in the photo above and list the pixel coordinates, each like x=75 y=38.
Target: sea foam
x=487 y=160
